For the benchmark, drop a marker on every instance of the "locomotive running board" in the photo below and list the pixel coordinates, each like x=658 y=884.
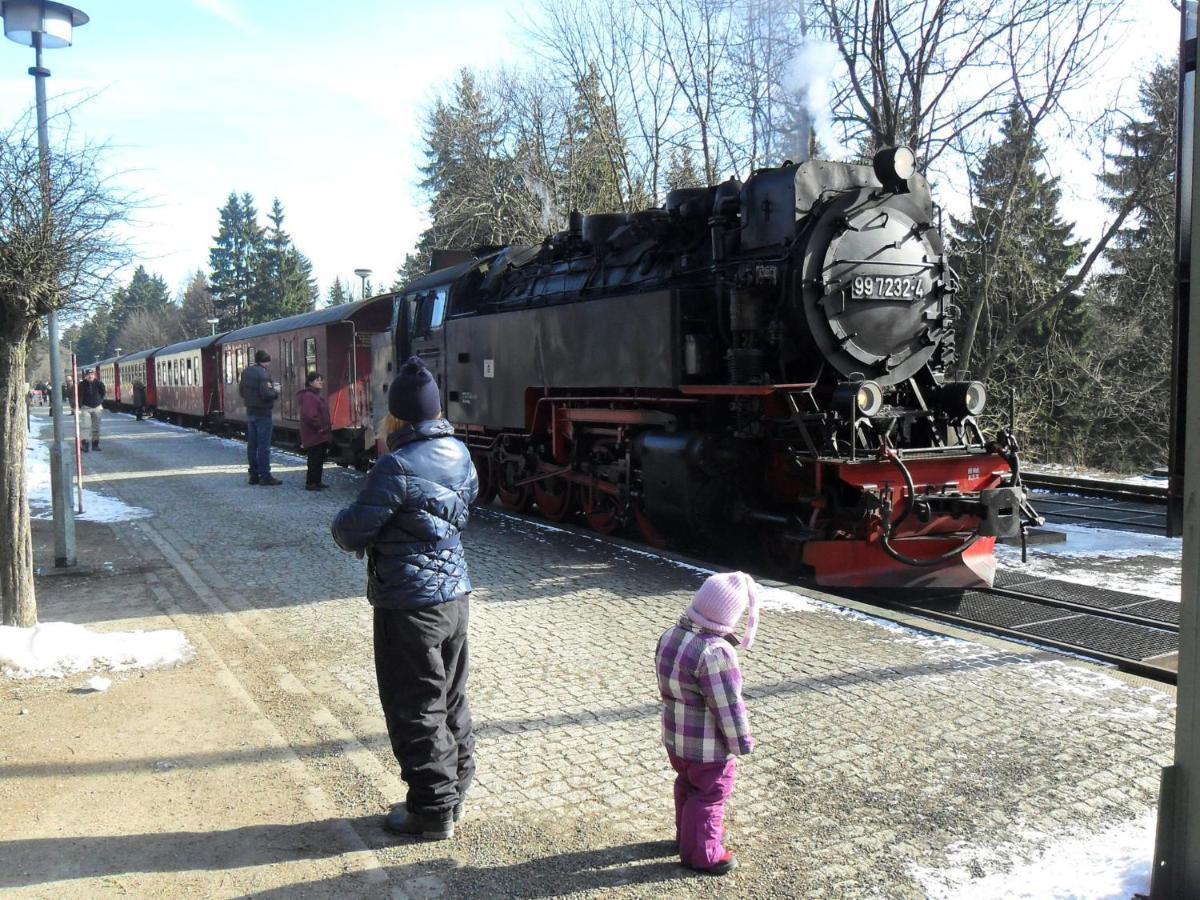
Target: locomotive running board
x=850 y=563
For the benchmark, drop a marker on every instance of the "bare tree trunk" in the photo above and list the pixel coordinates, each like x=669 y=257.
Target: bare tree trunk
x=18 y=603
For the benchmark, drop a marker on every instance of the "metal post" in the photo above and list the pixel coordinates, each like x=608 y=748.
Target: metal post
x=60 y=462
x=1176 y=871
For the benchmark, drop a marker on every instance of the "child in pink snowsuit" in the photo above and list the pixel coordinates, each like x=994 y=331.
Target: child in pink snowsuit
x=704 y=723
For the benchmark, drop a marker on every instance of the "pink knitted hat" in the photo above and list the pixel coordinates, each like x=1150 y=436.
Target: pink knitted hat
x=721 y=601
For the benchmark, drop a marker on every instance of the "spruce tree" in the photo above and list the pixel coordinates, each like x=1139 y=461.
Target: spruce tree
x=234 y=262
x=285 y=280
x=1014 y=251
x=339 y=295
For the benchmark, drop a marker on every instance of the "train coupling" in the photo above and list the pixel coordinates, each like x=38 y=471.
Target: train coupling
x=999 y=510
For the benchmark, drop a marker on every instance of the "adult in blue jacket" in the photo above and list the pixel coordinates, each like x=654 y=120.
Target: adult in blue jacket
x=408 y=518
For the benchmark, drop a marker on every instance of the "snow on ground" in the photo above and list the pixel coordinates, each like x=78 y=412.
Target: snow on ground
x=1112 y=865
x=1076 y=472
x=97 y=507
x=1119 y=560
x=57 y=649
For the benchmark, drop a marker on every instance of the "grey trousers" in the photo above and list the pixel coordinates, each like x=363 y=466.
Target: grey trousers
x=94 y=413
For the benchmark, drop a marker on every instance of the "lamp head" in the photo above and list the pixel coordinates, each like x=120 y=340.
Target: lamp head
x=55 y=22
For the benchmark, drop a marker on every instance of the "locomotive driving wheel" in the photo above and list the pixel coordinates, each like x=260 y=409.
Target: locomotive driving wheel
x=514 y=497
x=487 y=479
x=555 y=497
x=601 y=510
x=650 y=534
x=783 y=554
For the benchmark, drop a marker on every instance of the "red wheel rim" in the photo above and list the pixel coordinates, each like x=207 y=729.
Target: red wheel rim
x=650 y=534
x=514 y=498
x=600 y=511
x=554 y=497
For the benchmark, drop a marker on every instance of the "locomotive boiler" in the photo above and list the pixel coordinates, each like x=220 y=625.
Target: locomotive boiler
x=767 y=365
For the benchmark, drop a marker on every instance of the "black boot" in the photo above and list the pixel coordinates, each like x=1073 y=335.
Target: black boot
x=430 y=826
x=95 y=445
x=83 y=445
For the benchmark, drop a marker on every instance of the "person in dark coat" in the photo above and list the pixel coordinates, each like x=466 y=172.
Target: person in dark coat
x=139 y=398
x=259 y=394
x=408 y=518
x=91 y=403
x=316 y=430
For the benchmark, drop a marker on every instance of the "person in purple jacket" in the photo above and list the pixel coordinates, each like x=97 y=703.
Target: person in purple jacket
x=704 y=723
x=316 y=430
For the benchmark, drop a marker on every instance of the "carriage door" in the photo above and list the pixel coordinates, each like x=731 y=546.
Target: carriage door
x=287 y=379
x=428 y=335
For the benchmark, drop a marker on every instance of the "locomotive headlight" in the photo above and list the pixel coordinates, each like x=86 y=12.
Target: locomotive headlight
x=866 y=396
x=894 y=166
x=963 y=398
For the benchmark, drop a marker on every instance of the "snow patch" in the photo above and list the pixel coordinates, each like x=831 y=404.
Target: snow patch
x=56 y=649
x=97 y=507
x=1111 y=865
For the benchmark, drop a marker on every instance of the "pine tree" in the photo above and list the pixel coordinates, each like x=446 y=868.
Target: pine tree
x=234 y=262
x=1135 y=296
x=285 y=282
x=1014 y=251
x=592 y=149
x=197 y=306
x=682 y=171
x=1013 y=255
x=339 y=294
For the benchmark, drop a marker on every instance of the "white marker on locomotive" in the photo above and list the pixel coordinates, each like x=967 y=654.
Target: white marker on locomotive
x=765 y=363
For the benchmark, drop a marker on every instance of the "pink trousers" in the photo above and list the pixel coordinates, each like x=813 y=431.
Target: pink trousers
x=701 y=790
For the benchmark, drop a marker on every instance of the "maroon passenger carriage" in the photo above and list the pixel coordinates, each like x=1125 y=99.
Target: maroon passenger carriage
x=336 y=342
x=187 y=381
x=135 y=367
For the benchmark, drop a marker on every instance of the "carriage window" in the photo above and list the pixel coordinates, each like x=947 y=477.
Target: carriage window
x=310 y=355
x=191 y=371
x=439 y=307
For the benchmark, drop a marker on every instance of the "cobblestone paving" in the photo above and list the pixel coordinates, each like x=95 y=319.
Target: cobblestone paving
x=879 y=748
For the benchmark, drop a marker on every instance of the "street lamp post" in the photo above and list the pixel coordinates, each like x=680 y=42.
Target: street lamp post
x=213 y=323
x=44 y=25
x=363 y=275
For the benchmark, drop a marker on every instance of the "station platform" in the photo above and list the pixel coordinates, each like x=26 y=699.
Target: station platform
x=892 y=760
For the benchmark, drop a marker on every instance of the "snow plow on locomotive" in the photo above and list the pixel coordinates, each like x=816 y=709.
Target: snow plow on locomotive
x=768 y=363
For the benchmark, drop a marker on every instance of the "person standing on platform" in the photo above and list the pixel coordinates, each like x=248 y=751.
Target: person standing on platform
x=68 y=392
x=91 y=403
x=704 y=723
x=259 y=394
x=316 y=430
x=408 y=519
x=139 y=398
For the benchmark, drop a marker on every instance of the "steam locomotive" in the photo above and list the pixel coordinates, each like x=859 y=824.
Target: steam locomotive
x=765 y=365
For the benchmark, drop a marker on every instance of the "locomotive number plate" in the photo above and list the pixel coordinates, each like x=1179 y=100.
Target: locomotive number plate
x=885 y=287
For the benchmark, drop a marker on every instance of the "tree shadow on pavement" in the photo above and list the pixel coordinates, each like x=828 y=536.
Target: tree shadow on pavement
x=645 y=863
x=40 y=861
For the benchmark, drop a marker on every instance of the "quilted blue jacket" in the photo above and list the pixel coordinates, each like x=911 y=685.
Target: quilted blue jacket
x=408 y=518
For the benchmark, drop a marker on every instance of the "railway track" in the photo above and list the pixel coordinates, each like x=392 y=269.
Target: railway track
x=1135 y=633
x=1060 y=498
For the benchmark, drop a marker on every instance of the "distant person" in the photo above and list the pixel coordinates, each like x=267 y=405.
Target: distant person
x=704 y=723
x=91 y=403
x=316 y=430
x=259 y=394
x=139 y=398
x=408 y=518
x=68 y=395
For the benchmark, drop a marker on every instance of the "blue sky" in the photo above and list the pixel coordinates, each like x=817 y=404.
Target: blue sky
x=316 y=103
x=320 y=104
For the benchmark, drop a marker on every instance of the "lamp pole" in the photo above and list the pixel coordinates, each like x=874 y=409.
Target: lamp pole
x=46 y=25
x=363 y=275
x=213 y=323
